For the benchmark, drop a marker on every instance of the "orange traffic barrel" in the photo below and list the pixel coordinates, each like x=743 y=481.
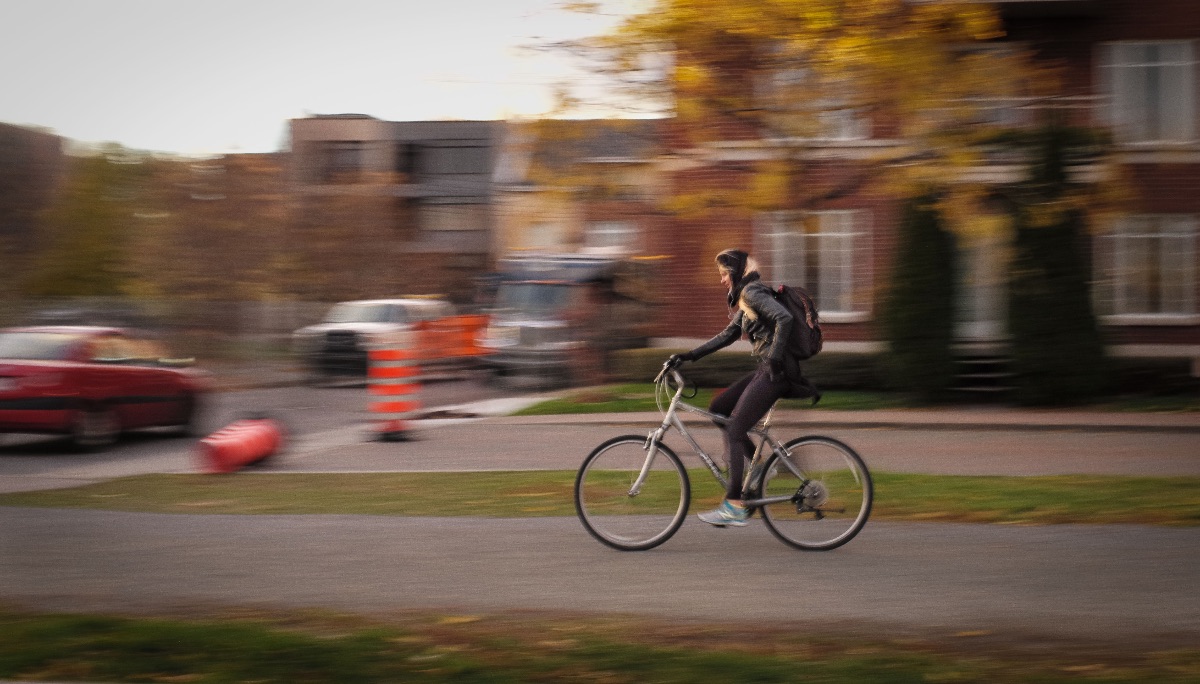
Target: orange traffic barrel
x=240 y=444
x=393 y=378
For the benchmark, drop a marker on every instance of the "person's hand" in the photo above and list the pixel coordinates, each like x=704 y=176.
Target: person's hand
x=776 y=368
x=676 y=360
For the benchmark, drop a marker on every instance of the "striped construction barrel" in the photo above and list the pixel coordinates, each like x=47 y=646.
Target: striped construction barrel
x=393 y=380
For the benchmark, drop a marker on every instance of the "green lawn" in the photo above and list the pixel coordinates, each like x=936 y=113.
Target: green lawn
x=914 y=497
x=640 y=397
x=308 y=646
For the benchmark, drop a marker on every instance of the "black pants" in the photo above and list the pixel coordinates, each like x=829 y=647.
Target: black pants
x=745 y=402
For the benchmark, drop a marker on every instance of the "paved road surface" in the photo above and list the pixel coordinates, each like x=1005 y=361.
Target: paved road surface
x=1110 y=583
x=1113 y=583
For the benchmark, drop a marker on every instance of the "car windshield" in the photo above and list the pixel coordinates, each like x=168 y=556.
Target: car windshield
x=36 y=346
x=540 y=300
x=360 y=312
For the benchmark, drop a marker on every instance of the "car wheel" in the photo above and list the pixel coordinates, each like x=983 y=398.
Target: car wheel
x=94 y=427
x=188 y=425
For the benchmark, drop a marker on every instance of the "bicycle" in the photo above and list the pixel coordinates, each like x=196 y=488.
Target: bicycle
x=632 y=493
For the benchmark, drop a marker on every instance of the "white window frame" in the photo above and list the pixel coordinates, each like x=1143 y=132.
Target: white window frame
x=842 y=281
x=1148 y=91
x=1131 y=292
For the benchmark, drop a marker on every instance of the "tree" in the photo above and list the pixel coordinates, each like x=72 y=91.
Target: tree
x=84 y=248
x=784 y=77
x=1057 y=348
x=918 y=318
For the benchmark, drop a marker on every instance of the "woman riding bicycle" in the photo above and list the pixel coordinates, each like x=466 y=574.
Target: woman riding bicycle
x=755 y=313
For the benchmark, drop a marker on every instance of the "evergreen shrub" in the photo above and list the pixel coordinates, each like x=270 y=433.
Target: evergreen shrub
x=918 y=311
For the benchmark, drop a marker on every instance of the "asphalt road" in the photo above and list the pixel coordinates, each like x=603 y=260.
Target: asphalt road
x=1092 y=583
x=1115 y=584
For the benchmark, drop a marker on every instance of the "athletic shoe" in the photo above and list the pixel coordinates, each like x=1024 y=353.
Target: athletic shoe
x=726 y=515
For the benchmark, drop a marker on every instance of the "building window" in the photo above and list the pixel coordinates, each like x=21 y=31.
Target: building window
x=445 y=216
x=614 y=235
x=826 y=252
x=457 y=160
x=1146 y=267
x=430 y=159
x=816 y=109
x=544 y=236
x=996 y=94
x=342 y=161
x=1152 y=86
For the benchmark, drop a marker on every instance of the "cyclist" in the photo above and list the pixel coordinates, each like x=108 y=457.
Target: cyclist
x=755 y=313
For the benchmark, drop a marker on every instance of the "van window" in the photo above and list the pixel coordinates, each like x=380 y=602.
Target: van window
x=536 y=299
x=365 y=312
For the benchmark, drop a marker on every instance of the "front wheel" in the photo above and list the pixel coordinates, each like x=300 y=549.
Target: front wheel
x=94 y=427
x=616 y=514
x=824 y=491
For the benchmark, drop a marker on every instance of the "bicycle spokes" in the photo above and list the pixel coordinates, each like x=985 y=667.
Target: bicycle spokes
x=828 y=494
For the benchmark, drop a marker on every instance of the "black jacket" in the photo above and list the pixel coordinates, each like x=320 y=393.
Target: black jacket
x=767 y=324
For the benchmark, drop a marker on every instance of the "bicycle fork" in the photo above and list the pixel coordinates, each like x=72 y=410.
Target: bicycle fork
x=651 y=449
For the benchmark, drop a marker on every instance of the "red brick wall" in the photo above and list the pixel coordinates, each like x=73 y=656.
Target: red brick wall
x=1068 y=41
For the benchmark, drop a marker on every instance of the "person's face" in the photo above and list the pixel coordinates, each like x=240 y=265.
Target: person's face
x=726 y=280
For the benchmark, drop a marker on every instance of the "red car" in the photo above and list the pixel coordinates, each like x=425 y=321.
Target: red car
x=92 y=383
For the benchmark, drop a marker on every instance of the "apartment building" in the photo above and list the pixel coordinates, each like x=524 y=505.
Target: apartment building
x=32 y=167
x=579 y=186
x=1133 y=63
x=420 y=194
x=1128 y=67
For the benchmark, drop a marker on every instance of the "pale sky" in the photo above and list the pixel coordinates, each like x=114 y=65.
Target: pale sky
x=217 y=76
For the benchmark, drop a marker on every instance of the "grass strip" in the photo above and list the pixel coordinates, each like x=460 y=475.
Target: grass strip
x=314 y=647
x=637 y=397
x=907 y=497
x=640 y=397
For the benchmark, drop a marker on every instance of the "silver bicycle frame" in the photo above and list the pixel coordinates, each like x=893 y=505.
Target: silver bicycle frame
x=671 y=420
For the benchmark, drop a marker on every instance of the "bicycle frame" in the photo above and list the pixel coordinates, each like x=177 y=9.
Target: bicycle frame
x=671 y=419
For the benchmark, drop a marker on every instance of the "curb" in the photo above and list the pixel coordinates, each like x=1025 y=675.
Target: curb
x=981 y=419
x=903 y=420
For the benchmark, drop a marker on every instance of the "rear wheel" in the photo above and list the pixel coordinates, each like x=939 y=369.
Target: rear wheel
x=826 y=494
x=620 y=517
x=94 y=427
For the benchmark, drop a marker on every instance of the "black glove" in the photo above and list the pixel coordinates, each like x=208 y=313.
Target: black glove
x=675 y=360
x=776 y=368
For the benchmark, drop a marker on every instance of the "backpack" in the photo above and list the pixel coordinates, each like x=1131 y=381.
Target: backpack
x=805 y=340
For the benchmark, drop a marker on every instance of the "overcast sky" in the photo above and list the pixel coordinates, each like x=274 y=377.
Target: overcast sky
x=216 y=76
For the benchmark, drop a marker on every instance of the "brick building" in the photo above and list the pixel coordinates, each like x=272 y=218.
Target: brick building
x=1129 y=67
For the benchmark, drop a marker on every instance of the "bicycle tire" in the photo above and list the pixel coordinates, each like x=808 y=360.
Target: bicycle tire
x=831 y=503
x=619 y=520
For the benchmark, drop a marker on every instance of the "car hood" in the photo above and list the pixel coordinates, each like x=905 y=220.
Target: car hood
x=322 y=328
x=18 y=367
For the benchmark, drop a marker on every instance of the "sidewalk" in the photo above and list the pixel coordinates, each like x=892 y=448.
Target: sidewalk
x=942 y=418
x=911 y=419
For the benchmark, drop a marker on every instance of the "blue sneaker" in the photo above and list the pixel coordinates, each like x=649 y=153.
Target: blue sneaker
x=726 y=515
